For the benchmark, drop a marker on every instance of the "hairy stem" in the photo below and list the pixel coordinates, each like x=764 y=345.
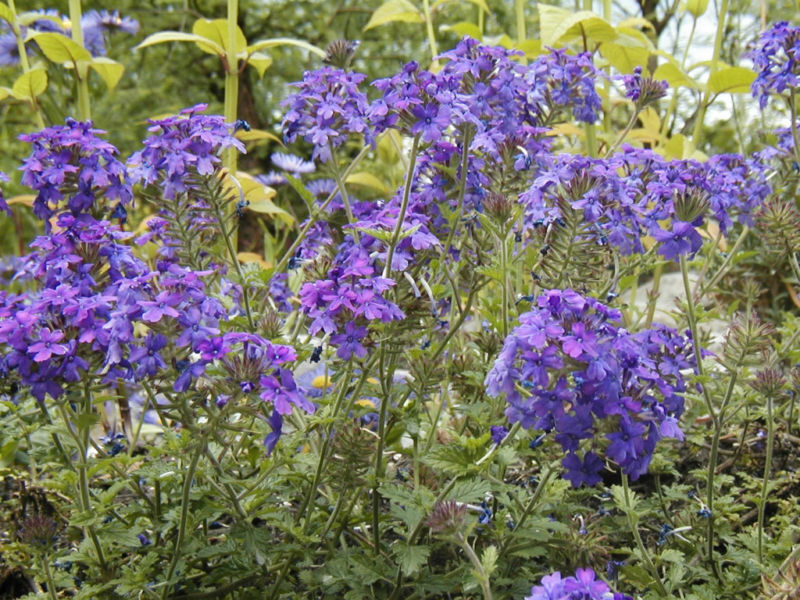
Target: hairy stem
x=764 y=484
x=82 y=69
x=401 y=217
x=639 y=543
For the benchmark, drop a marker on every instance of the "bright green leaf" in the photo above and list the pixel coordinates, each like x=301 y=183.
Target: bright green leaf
x=489 y=560
x=257 y=135
x=395 y=11
x=673 y=75
x=60 y=49
x=697 y=8
x=163 y=37
x=216 y=30
x=624 y=58
x=6 y=14
x=260 y=62
x=636 y=22
x=732 y=80
x=368 y=180
x=30 y=84
x=4 y=93
x=273 y=42
x=558 y=24
x=110 y=70
x=29 y=17
x=464 y=28
x=481 y=3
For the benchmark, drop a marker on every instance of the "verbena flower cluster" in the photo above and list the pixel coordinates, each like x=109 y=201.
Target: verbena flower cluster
x=99 y=313
x=571 y=369
x=776 y=60
x=584 y=585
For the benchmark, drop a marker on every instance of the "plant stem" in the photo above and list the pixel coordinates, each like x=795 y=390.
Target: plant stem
x=697 y=133
x=431 y=35
x=231 y=65
x=82 y=69
x=637 y=536
x=48 y=577
x=343 y=192
x=401 y=217
x=767 y=471
x=23 y=61
x=185 y=499
x=623 y=135
x=483 y=578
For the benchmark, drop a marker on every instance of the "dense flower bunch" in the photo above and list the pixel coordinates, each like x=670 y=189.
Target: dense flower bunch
x=638 y=192
x=328 y=108
x=643 y=91
x=98 y=312
x=584 y=585
x=570 y=368
x=776 y=60
x=70 y=164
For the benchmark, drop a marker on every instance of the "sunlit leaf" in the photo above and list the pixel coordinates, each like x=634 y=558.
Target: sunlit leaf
x=368 y=180
x=216 y=30
x=481 y=3
x=558 y=24
x=110 y=70
x=697 y=8
x=463 y=28
x=274 y=42
x=624 y=58
x=29 y=85
x=731 y=80
x=673 y=75
x=163 y=37
x=395 y=11
x=60 y=49
x=260 y=62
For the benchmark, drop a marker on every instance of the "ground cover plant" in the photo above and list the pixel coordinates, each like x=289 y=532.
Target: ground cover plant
x=503 y=320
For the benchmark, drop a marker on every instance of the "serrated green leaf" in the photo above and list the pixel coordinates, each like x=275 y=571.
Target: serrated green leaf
x=731 y=80
x=30 y=84
x=674 y=76
x=162 y=37
x=470 y=491
x=489 y=560
x=395 y=11
x=410 y=558
x=274 y=42
x=109 y=70
x=216 y=31
x=60 y=49
x=558 y=24
x=260 y=62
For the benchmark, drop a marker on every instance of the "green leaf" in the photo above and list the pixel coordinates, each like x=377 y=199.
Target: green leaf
x=257 y=135
x=624 y=58
x=410 y=558
x=110 y=70
x=480 y=3
x=30 y=84
x=6 y=14
x=301 y=189
x=395 y=11
x=216 y=31
x=557 y=23
x=260 y=62
x=732 y=80
x=489 y=560
x=60 y=49
x=163 y=37
x=697 y=8
x=464 y=28
x=274 y=42
x=674 y=76
x=470 y=491
x=369 y=180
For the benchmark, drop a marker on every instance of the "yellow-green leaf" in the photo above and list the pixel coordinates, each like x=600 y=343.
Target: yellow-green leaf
x=216 y=31
x=257 y=135
x=636 y=22
x=30 y=84
x=110 y=70
x=732 y=80
x=4 y=93
x=6 y=14
x=30 y=16
x=624 y=58
x=464 y=28
x=558 y=24
x=481 y=3
x=369 y=180
x=273 y=42
x=25 y=200
x=260 y=62
x=163 y=37
x=260 y=197
x=395 y=11
x=673 y=75
x=697 y=8
x=252 y=257
x=60 y=49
